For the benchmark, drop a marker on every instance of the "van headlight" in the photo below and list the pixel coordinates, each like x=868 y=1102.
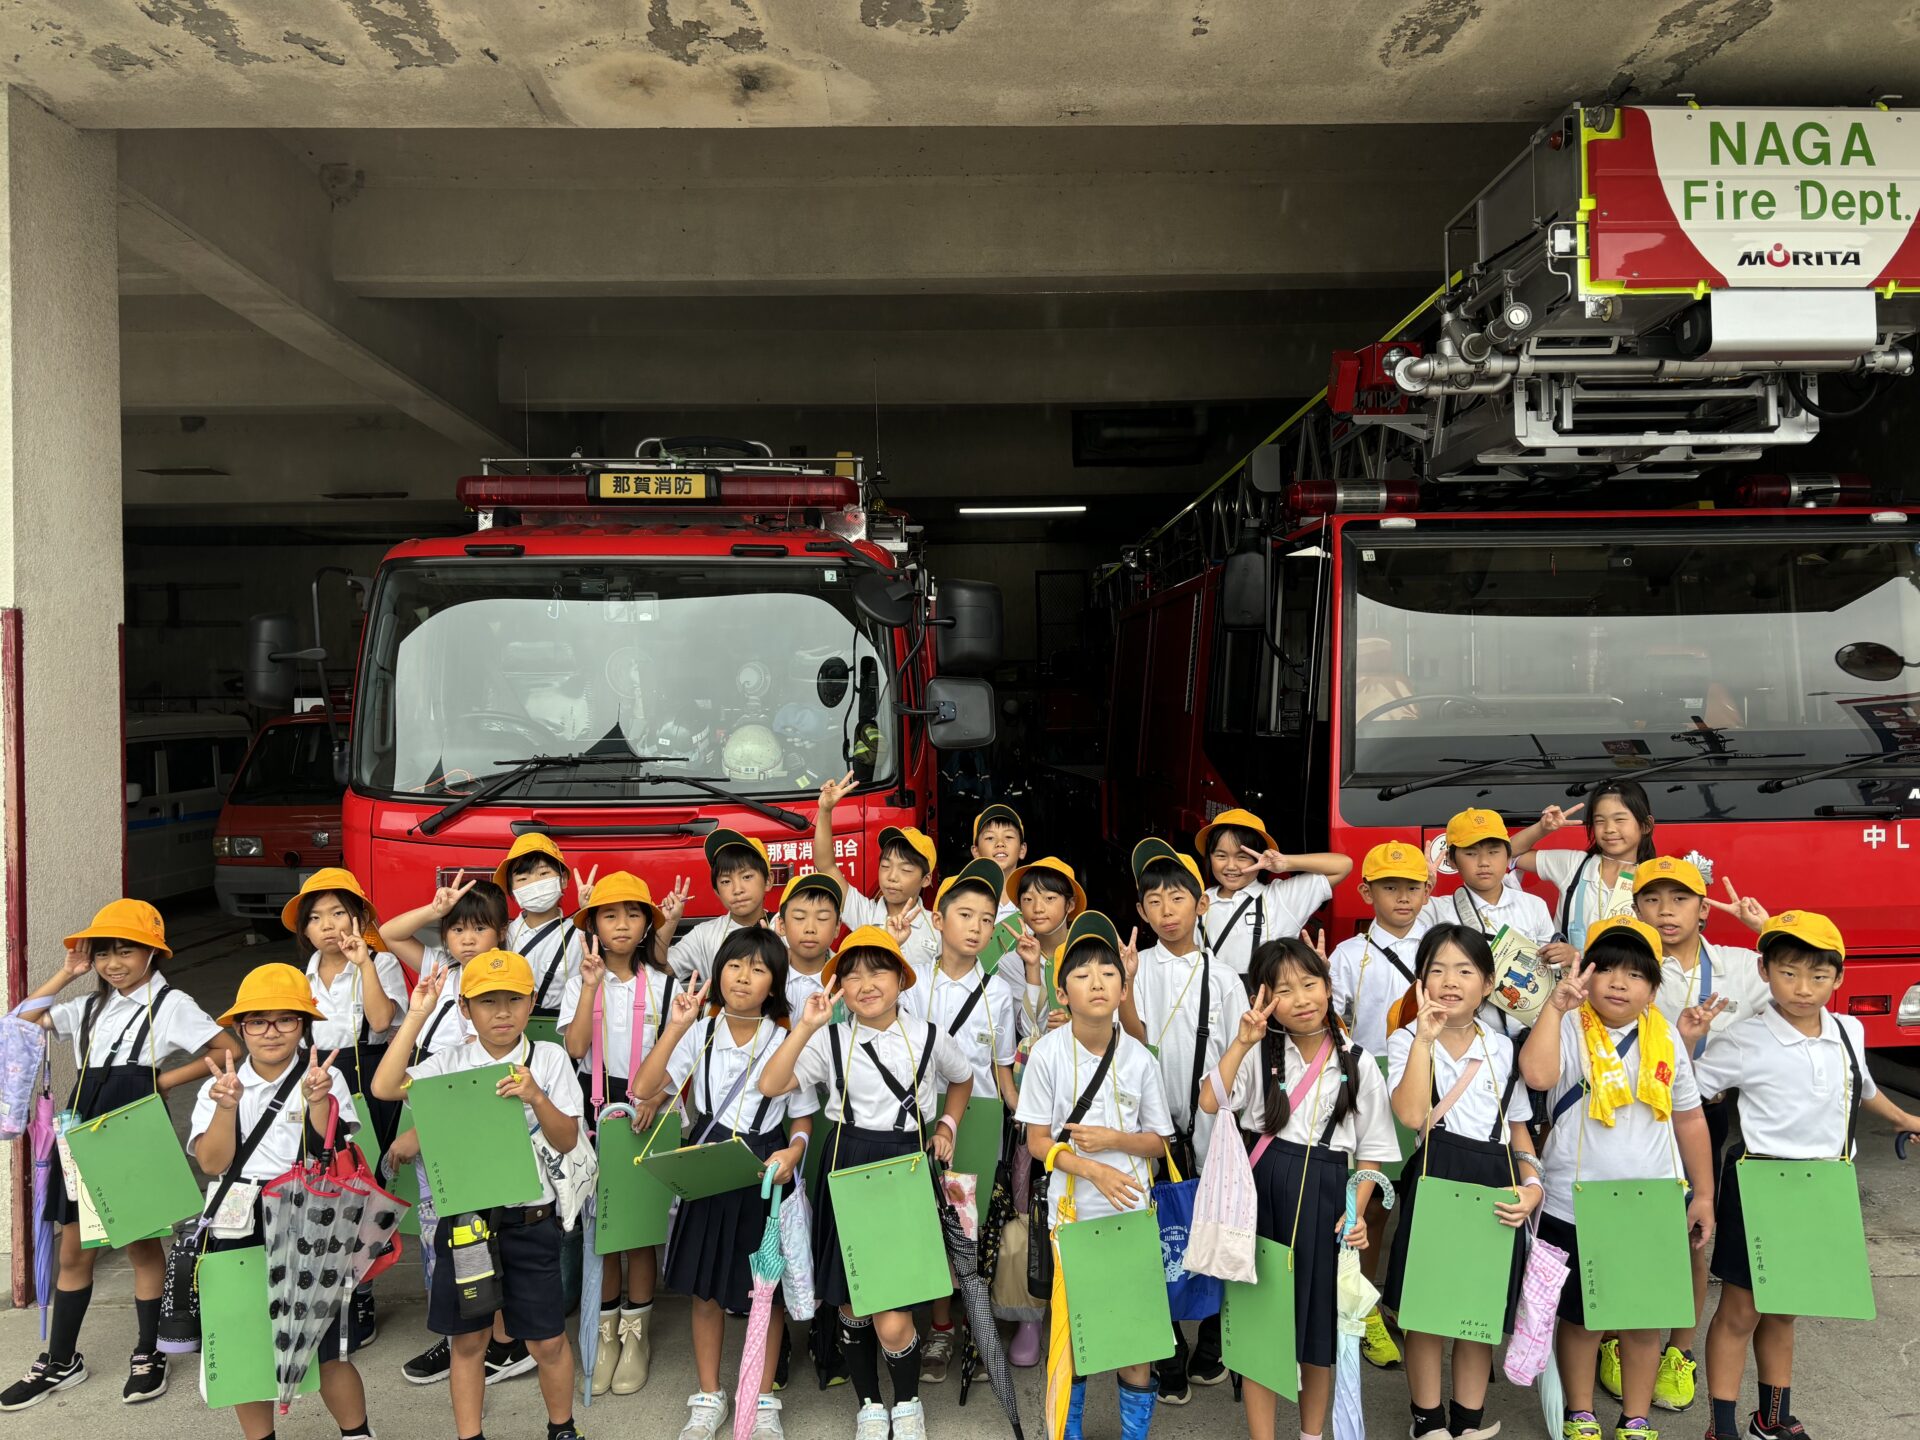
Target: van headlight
x=237 y=847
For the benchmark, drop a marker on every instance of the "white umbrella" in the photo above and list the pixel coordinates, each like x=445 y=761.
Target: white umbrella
x=1354 y=1300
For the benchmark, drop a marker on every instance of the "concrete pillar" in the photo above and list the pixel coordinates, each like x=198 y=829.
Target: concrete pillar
x=61 y=803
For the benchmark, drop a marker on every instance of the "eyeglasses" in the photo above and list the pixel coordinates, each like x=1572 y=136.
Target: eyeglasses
x=270 y=1025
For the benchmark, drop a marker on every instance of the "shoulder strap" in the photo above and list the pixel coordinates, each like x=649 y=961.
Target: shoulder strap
x=143 y=1036
x=901 y=1092
x=1392 y=956
x=1202 y=1031
x=1853 y=1065
x=259 y=1132
x=1567 y=1101
x=1085 y=1102
x=426 y=1038
x=553 y=965
x=1467 y=910
x=972 y=1003
x=1506 y=1099
x=1226 y=931
x=716 y=1112
x=1333 y=1110
x=1566 y=895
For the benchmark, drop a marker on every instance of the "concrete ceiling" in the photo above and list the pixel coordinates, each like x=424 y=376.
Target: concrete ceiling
x=724 y=64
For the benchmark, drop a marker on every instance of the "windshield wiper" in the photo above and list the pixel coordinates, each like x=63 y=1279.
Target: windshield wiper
x=1859 y=762
x=503 y=780
x=712 y=785
x=1394 y=792
x=1707 y=756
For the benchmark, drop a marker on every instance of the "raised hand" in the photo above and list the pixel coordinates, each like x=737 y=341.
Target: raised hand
x=1253 y=1021
x=447 y=896
x=584 y=888
x=353 y=945
x=1554 y=818
x=226 y=1084
x=1319 y=942
x=1747 y=910
x=819 y=1007
x=832 y=792
x=1028 y=949
x=319 y=1080
x=1431 y=1021
x=1130 y=954
x=426 y=991
x=674 y=903
x=78 y=961
x=1696 y=1020
x=687 y=1004
x=593 y=968
x=1272 y=862
x=1559 y=954
x=1571 y=993
x=901 y=926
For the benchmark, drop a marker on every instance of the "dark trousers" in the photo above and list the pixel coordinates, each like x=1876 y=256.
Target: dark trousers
x=1206 y=1348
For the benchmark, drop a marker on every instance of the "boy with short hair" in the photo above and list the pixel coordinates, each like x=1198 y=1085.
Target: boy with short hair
x=1186 y=1007
x=907 y=861
x=496 y=999
x=1000 y=835
x=1235 y=848
x=1801 y=1073
x=1477 y=846
x=1047 y=896
x=808 y=920
x=978 y=1016
x=740 y=871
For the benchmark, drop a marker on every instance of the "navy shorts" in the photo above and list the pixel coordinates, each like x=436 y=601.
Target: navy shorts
x=532 y=1299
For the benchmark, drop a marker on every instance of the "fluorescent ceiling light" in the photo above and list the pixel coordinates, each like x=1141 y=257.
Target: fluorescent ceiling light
x=1023 y=509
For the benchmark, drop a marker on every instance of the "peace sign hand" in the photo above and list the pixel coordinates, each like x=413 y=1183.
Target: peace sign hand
x=593 y=969
x=426 y=991
x=819 y=1007
x=1272 y=862
x=674 y=903
x=353 y=945
x=1696 y=1020
x=1748 y=911
x=1554 y=818
x=584 y=888
x=1571 y=993
x=1130 y=954
x=226 y=1084
x=447 y=896
x=901 y=926
x=1319 y=942
x=832 y=792
x=319 y=1079
x=1253 y=1021
x=686 y=1006
x=1028 y=948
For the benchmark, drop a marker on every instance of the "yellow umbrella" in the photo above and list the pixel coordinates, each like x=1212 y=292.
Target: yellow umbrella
x=1059 y=1339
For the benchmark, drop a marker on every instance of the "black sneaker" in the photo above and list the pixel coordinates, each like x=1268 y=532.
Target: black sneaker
x=1181 y=1396
x=43 y=1377
x=363 y=1321
x=508 y=1360
x=565 y=1432
x=430 y=1366
x=1757 y=1429
x=146 y=1378
x=1206 y=1370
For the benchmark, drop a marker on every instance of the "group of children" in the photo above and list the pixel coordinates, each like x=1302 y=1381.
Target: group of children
x=1113 y=1064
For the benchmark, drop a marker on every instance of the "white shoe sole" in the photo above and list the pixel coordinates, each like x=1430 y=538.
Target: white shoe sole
x=72 y=1380
x=508 y=1372
x=143 y=1399
x=412 y=1379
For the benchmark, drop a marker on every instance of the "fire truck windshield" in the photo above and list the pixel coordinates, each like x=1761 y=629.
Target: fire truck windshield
x=754 y=675
x=1612 y=651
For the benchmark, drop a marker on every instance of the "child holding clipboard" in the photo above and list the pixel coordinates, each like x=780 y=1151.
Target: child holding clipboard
x=718 y=1052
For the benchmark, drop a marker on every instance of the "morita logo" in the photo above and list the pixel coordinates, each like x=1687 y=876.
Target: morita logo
x=1780 y=257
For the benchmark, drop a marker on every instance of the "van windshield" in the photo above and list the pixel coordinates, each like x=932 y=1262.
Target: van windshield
x=289 y=765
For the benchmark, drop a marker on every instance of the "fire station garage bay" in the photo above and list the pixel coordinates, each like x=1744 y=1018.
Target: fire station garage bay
x=706 y=398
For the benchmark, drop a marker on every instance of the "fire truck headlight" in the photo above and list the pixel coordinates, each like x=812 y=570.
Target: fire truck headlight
x=237 y=847
x=1909 y=1007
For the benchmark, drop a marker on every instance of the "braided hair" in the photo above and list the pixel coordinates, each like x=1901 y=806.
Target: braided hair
x=1264 y=969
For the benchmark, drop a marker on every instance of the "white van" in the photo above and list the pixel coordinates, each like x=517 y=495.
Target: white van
x=179 y=768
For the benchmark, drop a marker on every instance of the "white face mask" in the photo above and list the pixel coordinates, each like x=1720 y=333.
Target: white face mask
x=536 y=897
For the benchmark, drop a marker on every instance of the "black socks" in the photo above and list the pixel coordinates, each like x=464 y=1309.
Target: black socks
x=1776 y=1404
x=862 y=1351
x=147 y=1317
x=1465 y=1419
x=1726 y=1417
x=904 y=1368
x=1426 y=1421
x=562 y=1428
x=63 y=1327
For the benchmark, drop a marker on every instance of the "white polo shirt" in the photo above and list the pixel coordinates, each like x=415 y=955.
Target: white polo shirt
x=1794 y=1088
x=1365 y=1132
x=617 y=999
x=552 y=1072
x=1166 y=995
x=446 y=1028
x=1367 y=982
x=563 y=944
x=799 y=986
x=709 y=1054
x=1736 y=979
x=340 y=1002
x=692 y=954
x=990 y=1032
x=279 y=1149
x=1517 y=910
x=1477 y=1110
x=1592 y=903
x=1274 y=909
x=899 y=1047
x=1637 y=1146
x=922 y=947
x=1131 y=1099
x=179 y=1027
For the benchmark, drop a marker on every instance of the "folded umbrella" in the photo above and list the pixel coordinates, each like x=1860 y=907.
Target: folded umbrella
x=983 y=1337
x=46 y=1235
x=768 y=1264
x=590 y=1287
x=1354 y=1299
x=1059 y=1332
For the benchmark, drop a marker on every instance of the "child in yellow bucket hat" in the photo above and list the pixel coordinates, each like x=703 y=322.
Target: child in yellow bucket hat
x=274 y=1107
x=1258 y=892
x=1477 y=847
x=120 y=1034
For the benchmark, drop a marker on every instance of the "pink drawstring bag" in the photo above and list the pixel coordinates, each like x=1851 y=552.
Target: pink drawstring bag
x=1220 y=1240
x=1530 y=1349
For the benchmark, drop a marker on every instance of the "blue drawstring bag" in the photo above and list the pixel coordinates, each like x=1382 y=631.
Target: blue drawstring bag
x=1190 y=1296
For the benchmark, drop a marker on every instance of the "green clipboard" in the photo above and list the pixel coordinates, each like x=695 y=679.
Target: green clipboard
x=475 y=1150
x=630 y=1203
x=1636 y=1272
x=695 y=1172
x=1787 y=1203
x=1408 y=1139
x=977 y=1151
x=544 y=1027
x=132 y=1165
x=1116 y=1283
x=236 y=1341
x=1459 y=1262
x=890 y=1234
x=1003 y=941
x=1256 y=1322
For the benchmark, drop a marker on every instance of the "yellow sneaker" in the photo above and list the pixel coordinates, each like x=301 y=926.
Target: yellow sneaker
x=1580 y=1427
x=1377 y=1346
x=1609 y=1372
x=1673 y=1384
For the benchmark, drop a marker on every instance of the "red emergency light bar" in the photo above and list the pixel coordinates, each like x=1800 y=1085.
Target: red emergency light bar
x=1351 y=497
x=592 y=492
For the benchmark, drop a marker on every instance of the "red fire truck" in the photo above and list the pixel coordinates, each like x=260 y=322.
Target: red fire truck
x=626 y=654
x=1503 y=558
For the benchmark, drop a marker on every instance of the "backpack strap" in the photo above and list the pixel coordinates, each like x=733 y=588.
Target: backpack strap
x=900 y=1092
x=1352 y=1052
x=1226 y=931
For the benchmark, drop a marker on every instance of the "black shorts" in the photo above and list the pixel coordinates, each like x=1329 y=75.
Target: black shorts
x=1573 y=1303
x=532 y=1299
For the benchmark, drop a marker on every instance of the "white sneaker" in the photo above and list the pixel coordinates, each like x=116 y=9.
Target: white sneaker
x=909 y=1421
x=871 y=1422
x=706 y=1413
x=766 y=1420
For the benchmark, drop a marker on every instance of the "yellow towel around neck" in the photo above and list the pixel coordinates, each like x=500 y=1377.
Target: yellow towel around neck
x=1607 y=1088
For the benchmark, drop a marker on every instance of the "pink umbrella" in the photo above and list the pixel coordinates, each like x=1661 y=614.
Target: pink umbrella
x=768 y=1265
x=46 y=1235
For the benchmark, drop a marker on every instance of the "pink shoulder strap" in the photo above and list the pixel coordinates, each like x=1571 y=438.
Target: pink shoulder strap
x=1302 y=1088
x=634 y=1040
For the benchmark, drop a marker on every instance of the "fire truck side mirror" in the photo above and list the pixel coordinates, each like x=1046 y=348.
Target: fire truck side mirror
x=1243 y=591
x=960 y=712
x=969 y=626
x=1869 y=660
